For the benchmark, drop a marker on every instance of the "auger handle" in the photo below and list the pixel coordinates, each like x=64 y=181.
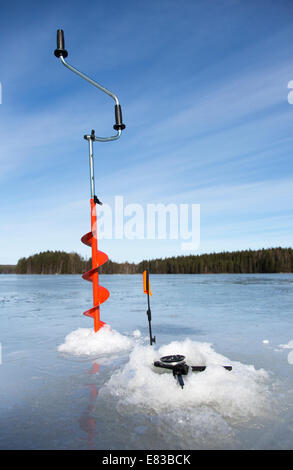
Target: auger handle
x=61 y=53
x=118 y=117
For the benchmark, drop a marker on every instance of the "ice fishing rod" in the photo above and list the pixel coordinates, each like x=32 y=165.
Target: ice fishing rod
x=147 y=290
x=100 y=294
x=175 y=362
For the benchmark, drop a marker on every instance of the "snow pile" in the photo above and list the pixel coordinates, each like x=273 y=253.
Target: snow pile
x=236 y=395
x=86 y=341
x=136 y=333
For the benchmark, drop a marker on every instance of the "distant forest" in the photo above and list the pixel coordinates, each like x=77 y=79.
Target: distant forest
x=271 y=260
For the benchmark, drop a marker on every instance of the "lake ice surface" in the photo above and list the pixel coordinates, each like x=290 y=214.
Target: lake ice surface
x=64 y=387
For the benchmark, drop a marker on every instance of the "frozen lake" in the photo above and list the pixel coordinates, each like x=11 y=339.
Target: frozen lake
x=103 y=392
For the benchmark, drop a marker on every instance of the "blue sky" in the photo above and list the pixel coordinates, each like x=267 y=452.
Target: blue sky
x=203 y=86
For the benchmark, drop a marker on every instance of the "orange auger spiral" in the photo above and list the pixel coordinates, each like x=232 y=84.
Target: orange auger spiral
x=100 y=294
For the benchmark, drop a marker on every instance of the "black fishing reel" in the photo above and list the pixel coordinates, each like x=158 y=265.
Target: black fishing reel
x=177 y=364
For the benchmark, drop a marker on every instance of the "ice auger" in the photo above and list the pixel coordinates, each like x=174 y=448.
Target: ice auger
x=100 y=294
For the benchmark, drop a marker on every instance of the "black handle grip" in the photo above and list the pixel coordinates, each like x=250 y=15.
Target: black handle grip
x=118 y=117
x=60 y=39
x=60 y=51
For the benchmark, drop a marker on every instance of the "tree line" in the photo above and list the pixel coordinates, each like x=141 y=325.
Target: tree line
x=7 y=269
x=271 y=260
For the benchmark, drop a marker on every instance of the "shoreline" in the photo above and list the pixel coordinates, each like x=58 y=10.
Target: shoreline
x=139 y=274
